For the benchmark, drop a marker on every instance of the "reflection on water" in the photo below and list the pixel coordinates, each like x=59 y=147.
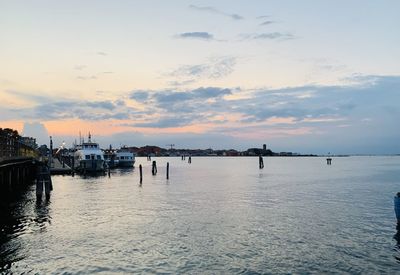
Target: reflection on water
x=21 y=215
x=217 y=215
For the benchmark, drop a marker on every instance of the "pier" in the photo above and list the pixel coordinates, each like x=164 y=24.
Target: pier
x=60 y=167
x=19 y=160
x=16 y=173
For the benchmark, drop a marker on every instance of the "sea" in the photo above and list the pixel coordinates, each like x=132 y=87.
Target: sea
x=216 y=215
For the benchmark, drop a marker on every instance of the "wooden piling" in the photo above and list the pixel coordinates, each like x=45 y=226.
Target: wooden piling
x=141 y=173
x=39 y=187
x=154 y=168
x=260 y=162
x=329 y=161
x=48 y=187
x=190 y=159
x=167 y=170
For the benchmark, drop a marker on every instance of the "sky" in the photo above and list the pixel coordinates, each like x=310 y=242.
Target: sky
x=310 y=76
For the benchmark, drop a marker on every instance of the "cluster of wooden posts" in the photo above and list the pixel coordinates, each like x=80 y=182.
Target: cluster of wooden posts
x=153 y=170
x=183 y=157
x=261 y=161
x=43 y=182
x=154 y=167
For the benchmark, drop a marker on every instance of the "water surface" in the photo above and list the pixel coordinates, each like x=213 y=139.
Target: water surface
x=216 y=215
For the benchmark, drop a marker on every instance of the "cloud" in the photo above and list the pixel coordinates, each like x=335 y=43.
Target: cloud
x=61 y=109
x=80 y=67
x=268 y=36
x=216 y=11
x=263 y=16
x=284 y=115
x=92 y=77
x=172 y=97
x=170 y=122
x=268 y=22
x=102 y=53
x=139 y=95
x=215 y=68
x=107 y=105
x=181 y=83
x=36 y=130
x=196 y=35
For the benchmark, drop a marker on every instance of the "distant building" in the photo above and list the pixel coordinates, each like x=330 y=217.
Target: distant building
x=148 y=151
x=29 y=141
x=13 y=145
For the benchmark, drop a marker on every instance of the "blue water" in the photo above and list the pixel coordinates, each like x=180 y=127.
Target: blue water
x=216 y=215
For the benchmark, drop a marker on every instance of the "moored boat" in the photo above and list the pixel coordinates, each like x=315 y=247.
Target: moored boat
x=125 y=157
x=110 y=157
x=89 y=157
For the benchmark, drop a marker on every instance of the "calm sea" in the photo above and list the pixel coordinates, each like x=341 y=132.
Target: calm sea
x=213 y=216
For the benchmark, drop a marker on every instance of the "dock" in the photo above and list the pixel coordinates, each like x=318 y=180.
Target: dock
x=59 y=168
x=16 y=173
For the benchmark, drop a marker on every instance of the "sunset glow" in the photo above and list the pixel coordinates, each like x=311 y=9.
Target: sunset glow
x=166 y=68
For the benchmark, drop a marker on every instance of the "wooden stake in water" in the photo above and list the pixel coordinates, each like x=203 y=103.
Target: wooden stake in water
x=167 y=170
x=261 y=162
x=190 y=159
x=154 y=168
x=141 y=173
x=329 y=161
x=39 y=187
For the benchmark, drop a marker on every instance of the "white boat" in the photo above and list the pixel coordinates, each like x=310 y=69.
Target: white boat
x=110 y=157
x=125 y=158
x=89 y=157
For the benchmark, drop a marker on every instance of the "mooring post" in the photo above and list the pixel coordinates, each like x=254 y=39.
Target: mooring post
x=154 y=168
x=329 y=161
x=47 y=186
x=39 y=182
x=190 y=159
x=141 y=173
x=261 y=162
x=167 y=170
x=39 y=187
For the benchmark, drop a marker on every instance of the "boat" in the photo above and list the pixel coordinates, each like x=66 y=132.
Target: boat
x=89 y=157
x=110 y=157
x=125 y=157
